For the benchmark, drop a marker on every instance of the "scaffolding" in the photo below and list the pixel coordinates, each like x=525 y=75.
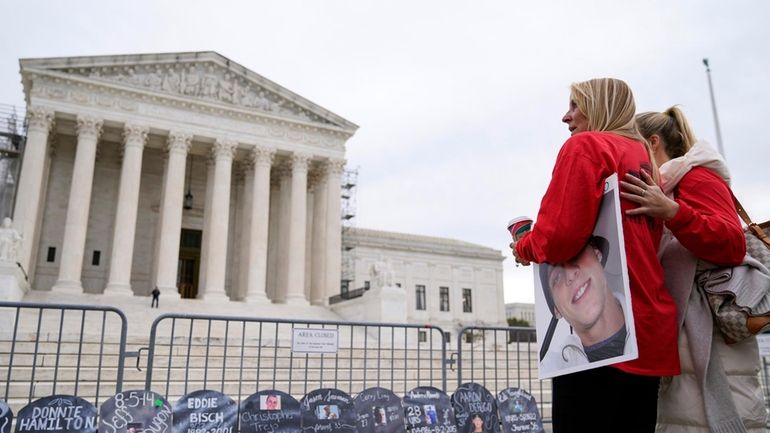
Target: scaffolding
x=348 y=213
x=12 y=140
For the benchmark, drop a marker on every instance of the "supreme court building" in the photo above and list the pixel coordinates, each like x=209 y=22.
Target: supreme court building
x=190 y=173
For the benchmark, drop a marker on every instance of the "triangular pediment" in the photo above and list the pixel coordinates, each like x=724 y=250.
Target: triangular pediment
x=202 y=76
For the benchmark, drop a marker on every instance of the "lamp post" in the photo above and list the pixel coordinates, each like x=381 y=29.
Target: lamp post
x=714 y=108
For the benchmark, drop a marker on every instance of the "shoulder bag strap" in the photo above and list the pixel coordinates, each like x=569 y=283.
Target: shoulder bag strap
x=755 y=228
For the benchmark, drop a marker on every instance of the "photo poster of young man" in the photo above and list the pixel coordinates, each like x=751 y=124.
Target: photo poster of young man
x=583 y=310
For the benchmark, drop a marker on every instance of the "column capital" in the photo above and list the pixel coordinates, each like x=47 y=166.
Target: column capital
x=262 y=155
x=135 y=135
x=89 y=126
x=179 y=142
x=335 y=166
x=283 y=169
x=40 y=118
x=244 y=166
x=224 y=148
x=300 y=161
x=315 y=178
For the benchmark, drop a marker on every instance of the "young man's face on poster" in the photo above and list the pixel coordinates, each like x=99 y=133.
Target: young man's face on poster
x=579 y=288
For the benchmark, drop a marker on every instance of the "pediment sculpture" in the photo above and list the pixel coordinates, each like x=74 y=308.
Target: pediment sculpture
x=206 y=81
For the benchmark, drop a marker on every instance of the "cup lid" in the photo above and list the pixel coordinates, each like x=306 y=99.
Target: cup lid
x=518 y=220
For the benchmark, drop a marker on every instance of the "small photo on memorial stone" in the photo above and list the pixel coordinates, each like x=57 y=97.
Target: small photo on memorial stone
x=431 y=417
x=134 y=427
x=380 y=418
x=327 y=411
x=270 y=402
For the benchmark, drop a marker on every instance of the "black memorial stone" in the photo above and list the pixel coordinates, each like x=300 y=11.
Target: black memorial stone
x=475 y=409
x=328 y=410
x=205 y=411
x=429 y=410
x=270 y=411
x=518 y=411
x=6 y=417
x=135 y=412
x=57 y=414
x=379 y=411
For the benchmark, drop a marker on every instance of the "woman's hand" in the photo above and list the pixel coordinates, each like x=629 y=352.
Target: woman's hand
x=519 y=260
x=651 y=199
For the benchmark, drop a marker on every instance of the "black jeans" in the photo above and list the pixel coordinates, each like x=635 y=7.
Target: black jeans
x=154 y=302
x=605 y=399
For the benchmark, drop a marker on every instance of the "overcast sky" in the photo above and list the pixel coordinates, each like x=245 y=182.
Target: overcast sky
x=459 y=103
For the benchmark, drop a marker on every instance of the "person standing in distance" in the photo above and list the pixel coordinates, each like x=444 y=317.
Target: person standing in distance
x=605 y=141
x=155 y=296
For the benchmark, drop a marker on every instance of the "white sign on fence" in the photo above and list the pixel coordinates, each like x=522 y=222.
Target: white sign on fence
x=314 y=340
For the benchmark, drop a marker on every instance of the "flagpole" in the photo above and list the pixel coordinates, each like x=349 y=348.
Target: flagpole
x=714 y=108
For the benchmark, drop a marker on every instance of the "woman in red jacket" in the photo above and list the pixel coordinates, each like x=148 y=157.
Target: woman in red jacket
x=718 y=389
x=605 y=140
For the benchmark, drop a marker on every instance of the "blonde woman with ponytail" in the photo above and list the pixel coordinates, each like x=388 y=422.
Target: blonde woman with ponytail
x=605 y=140
x=718 y=390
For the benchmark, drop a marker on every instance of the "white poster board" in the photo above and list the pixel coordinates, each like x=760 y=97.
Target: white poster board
x=763 y=340
x=585 y=319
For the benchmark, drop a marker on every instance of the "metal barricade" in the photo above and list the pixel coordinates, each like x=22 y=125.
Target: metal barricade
x=48 y=349
x=242 y=355
x=500 y=358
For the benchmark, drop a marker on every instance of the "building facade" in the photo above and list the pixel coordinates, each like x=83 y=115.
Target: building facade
x=521 y=311
x=182 y=171
x=190 y=173
x=446 y=282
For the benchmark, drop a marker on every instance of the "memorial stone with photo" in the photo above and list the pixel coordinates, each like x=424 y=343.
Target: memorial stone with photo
x=205 y=411
x=6 y=417
x=428 y=410
x=328 y=409
x=270 y=411
x=379 y=411
x=518 y=412
x=475 y=409
x=57 y=414
x=136 y=411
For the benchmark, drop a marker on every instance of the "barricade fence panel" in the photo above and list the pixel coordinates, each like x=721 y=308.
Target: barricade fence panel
x=240 y=356
x=48 y=349
x=500 y=358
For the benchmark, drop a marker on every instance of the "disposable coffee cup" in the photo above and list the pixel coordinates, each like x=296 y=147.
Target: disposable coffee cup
x=518 y=226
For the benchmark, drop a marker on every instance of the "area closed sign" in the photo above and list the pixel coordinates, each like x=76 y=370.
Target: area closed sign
x=313 y=340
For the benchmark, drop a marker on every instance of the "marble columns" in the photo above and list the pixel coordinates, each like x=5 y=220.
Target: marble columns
x=30 y=190
x=295 y=290
x=178 y=145
x=119 y=282
x=76 y=224
x=334 y=168
x=257 y=237
x=216 y=258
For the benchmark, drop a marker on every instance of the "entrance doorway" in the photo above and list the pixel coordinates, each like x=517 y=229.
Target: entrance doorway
x=189 y=263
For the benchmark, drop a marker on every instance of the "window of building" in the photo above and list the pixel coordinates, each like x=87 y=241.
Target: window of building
x=96 y=258
x=467 y=301
x=419 y=291
x=398 y=284
x=367 y=285
x=444 y=298
x=422 y=336
x=51 y=255
x=447 y=337
x=469 y=337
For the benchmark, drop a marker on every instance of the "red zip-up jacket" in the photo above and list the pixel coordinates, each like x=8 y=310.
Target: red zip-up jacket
x=707 y=223
x=567 y=217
